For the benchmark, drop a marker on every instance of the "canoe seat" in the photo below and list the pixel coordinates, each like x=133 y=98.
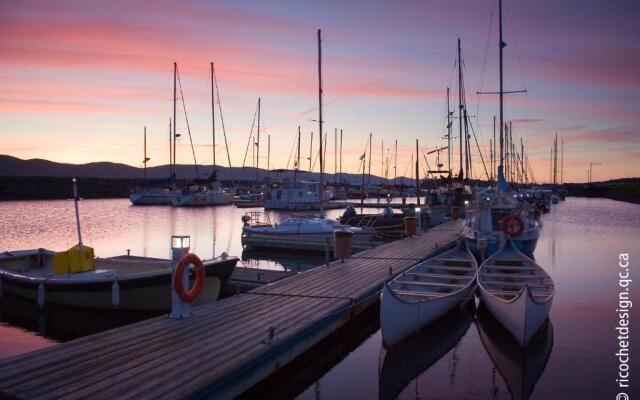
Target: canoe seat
x=439 y=276
x=510 y=293
x=448 y=268
x=432 y=284
x=508 y=262
x=514 y=275
x=418 y=294
x=511 y=268
x=453 y=262
x=518 y=284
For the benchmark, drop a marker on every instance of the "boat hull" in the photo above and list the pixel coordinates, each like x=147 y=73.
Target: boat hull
x=399 y=319
x=151 y=292
x=202 y=200
x=151 y=199
x=314 y=242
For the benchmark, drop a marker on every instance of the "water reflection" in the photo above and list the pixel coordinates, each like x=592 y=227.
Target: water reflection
x=288 y=262
x=63 y=323
x=520 y=368
x=410 y=358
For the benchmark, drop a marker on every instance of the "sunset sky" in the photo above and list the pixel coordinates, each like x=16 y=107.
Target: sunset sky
x=81 y=79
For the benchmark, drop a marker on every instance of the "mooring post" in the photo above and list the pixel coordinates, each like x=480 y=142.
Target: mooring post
x=179 y=248
x=327 y=259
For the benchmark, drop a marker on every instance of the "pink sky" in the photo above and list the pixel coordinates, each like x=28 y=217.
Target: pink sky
x=80 y=80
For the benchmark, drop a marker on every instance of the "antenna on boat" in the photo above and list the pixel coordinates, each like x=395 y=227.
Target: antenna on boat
x=75 y=203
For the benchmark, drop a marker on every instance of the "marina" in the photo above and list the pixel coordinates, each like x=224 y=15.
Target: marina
x=286 y=201
x=294 y=314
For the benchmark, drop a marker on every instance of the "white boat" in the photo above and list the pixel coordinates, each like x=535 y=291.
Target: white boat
x=202 y=195
x=153 y=197
x=517 y=291
x=301 y=233
x=125 y=283
x=295 y=196
x=426 y=291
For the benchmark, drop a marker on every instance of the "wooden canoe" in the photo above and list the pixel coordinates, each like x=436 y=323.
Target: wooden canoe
x=517 y=291
x=426 y=291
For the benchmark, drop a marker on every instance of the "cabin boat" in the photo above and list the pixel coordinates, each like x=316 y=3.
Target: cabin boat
x=517 y=291
x=301 y=233
x=125 y=283
x=295 y=196
x=202 y=195
x=152 y=196
x=427 y=291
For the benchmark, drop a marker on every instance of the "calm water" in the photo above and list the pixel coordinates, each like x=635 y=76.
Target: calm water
x=572 y=359
x=465 y=355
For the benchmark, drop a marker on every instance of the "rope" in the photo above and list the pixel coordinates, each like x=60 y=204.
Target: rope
x=224 y=131
x=184 y=107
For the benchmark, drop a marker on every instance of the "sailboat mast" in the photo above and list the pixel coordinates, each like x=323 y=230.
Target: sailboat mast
x=493 y=163
x=258 y=146
x=460 y=102
x=268 y=152
x=213 y=120
x=145 y=152
x=555 y=160
x=370 y=146
x=501 y=45
x=395 y=164
x=417 y=175
x=175 y=95
x=170 y=157
x=382 y=162
x=448 y=134
x=340 y=175
x=562 y=161
x=320 y=121
x=295 y=174
x=335 y=154
x=310 y=152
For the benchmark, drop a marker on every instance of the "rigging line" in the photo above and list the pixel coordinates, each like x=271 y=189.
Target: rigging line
x=516 y=47
x=224 y=131
x=479 y=151
x=246 y=150
x=484 y=60
x=184 y=107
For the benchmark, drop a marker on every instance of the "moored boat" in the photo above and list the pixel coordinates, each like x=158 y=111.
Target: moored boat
x=426 y=291
x=125 y=283
x=517 y=291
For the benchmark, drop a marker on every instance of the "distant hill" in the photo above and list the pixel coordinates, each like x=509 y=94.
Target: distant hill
x=16 y=167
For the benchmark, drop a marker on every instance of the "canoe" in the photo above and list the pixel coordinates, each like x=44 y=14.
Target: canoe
x=413 y=356
x=520 y=368
x=426 y=291
x=517 y=291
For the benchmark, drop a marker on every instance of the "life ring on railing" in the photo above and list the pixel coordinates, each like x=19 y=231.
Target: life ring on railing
x=512 y=225
x=178 y=284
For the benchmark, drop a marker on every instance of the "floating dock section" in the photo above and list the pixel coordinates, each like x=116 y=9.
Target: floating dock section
x=225 y=347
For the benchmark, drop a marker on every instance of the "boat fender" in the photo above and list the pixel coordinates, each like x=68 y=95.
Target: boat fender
x=224 y=255
x=41 y=297
x=115 y=294
x=512 y=225
x=178 y=285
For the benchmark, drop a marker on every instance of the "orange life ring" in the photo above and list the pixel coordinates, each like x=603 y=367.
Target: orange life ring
x=178 y=284
x=512 y=225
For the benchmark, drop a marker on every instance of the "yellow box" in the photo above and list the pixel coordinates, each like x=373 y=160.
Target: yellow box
x=76 y=259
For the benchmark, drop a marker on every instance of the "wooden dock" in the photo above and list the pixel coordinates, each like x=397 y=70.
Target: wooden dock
x=225 y=347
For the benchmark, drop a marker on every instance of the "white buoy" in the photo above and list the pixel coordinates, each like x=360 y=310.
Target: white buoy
x=41 y=299
x=115 y=294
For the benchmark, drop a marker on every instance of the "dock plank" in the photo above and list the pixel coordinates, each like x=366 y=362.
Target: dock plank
x=224 y=348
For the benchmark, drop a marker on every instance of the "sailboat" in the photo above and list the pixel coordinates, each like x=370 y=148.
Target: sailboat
x=301 y=233
x=159 y=191
x=209 y=191
x=501 y=213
